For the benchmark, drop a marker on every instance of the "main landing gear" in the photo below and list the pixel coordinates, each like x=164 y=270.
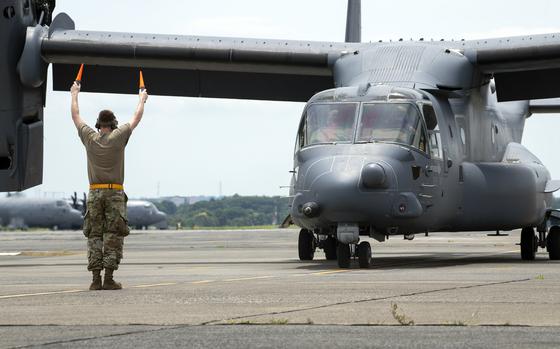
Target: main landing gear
x=553 y=243
x=530 y=243
x=306 y=245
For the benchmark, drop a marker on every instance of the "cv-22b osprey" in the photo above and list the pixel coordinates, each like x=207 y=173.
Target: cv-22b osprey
x=397 y=138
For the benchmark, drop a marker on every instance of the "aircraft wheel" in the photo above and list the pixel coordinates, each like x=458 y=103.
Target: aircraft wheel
x=306 y=245
x=330 y=248
x=343 y=255
x=364 y=254
x=553 y=243
x=528 y=244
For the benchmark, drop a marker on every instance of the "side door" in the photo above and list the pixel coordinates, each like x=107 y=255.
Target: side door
x=435 y=169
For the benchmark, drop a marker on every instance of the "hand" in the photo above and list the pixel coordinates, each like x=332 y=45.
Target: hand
x=75 y=89
x=143 y=95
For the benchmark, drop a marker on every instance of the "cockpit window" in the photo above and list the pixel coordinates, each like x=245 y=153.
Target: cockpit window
x=330 y=123
x=389 y=122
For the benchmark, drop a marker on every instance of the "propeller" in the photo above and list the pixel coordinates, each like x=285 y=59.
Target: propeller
x=84 y=204
x=74 y=200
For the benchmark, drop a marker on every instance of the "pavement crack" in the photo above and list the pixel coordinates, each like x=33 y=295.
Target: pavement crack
x=75 y=340
x=372 y=299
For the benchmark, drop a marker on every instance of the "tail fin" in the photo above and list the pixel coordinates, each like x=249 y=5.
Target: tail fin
x=354 y=21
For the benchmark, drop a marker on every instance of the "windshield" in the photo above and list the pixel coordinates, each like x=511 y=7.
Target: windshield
x=329 y=123
x=389 y=122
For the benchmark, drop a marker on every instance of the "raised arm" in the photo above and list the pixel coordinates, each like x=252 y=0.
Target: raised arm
x=139 y=109
x=75 y=90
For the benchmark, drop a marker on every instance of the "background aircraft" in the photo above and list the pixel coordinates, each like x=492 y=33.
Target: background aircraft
x=19 y=212
x=143 y=214
x=140 y=213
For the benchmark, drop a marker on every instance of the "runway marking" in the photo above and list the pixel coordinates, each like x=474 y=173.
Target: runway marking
x=155 y=285
x=202 y=282
x=251 y=278
x=40 y=294
x=9 y=254
x=330 y=272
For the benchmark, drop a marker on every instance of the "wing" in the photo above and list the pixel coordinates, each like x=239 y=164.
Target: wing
x=191 y=65
x=524 y=67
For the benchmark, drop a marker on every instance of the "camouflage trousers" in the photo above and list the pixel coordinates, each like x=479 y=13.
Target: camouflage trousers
x=105 y=226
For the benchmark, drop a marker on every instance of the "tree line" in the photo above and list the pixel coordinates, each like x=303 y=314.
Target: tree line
x=235 y=211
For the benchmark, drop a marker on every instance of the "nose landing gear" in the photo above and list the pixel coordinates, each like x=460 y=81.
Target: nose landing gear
x=329 y=246
x=364 y=254
x=361 y=251
x=343 y=255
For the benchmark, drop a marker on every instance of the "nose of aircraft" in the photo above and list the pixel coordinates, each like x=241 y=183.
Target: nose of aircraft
x=77 y=219
x=367 y=191
x=350 y=195
x=161 y=216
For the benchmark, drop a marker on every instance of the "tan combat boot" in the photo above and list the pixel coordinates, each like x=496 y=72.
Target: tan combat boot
x=96 y=283
x=109 y=283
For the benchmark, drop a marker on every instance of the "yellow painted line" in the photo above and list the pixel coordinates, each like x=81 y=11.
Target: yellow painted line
x=331 y=272
x=202 y=282
x=251 y=278
x=155 y=285
x=39 y=294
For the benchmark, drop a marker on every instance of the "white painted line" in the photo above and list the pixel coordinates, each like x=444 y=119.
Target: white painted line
x=9 y=254
x=39 y=294
x=330 y=272
x=202 y=282
x=251 y=278
x=155 y=285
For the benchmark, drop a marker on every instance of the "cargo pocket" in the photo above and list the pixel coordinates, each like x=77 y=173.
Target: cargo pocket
x=122 y=224
x=87 y=225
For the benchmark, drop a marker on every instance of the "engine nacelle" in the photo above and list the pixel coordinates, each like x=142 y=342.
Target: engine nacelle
x=21 y=104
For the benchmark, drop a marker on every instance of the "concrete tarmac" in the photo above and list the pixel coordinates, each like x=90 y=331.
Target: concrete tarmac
x=248 y=289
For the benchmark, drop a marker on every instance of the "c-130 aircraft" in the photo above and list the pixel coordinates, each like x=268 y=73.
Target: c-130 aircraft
x=396 y=138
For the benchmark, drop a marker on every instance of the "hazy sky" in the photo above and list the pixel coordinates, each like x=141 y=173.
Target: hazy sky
x=187 y=146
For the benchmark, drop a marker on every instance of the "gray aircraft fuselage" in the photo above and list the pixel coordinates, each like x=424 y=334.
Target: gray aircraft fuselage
x=143 y=214
x=475 y=177
x=18 y=212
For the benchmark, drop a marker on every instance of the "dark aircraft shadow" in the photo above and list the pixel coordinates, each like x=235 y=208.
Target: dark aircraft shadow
x=426 y=261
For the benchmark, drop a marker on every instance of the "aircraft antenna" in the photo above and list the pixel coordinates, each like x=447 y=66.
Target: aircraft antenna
x=354 y=21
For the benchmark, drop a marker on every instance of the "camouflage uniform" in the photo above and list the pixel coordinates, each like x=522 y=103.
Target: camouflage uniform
x=105 y=226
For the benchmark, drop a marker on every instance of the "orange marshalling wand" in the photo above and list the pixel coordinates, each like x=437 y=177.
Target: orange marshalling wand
x=142 y=85
x=80 y=73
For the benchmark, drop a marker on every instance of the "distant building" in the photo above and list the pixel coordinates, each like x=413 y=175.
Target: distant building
x=182 y=200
